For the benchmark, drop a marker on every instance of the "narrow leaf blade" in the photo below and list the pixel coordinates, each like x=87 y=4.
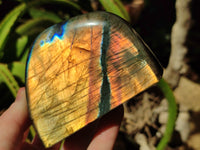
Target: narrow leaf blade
x=8 y=78
x=7 y=24
x=116 y=7
x=17 y=69
x=37 y=13
x=31 y=26
x=21 y=45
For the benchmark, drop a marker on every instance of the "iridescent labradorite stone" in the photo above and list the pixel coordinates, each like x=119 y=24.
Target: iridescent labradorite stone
x=79 y=70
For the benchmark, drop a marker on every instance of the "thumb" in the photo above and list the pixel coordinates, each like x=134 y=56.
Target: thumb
x=14 y=122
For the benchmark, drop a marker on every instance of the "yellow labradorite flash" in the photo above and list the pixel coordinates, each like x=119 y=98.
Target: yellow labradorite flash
x=81 y=69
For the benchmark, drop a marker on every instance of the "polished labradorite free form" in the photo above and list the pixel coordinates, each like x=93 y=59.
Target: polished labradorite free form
x=79 y=70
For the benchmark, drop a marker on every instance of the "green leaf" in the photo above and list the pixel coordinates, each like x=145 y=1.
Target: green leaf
x=32 y=133
x=7 y=24
x=20 y=45
x=122 y=9
x=62 y=2
x=116 y=7
x=24 y=56
x=68 y=2
x=18 y=69
x=9 y=79
x=172 y=114
x=28 y=28
x=37 y=13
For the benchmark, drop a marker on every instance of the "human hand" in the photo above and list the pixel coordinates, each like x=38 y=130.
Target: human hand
x=14 y=124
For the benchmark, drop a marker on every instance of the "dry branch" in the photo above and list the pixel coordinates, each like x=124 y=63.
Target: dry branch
x=179 y=33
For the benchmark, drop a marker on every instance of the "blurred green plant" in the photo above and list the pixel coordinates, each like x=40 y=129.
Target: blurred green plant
x=20 y=26
x=172 y=114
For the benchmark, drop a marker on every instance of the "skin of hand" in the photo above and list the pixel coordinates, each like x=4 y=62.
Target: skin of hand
x=14 y=127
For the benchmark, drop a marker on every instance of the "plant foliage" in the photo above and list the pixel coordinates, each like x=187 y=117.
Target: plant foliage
x=23 y=21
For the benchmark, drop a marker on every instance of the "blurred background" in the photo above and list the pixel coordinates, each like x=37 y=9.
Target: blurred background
x=170 y=28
